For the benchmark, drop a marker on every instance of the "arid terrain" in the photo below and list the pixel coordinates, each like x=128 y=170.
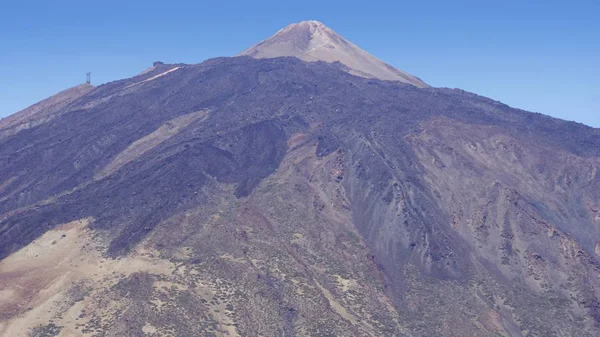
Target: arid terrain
x=313 y=41
x=276 y=197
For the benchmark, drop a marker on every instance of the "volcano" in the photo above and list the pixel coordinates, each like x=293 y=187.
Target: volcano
x=270 y=196
x=313 y=41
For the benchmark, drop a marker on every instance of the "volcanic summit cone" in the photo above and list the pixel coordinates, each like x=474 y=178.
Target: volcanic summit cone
x=313 y=41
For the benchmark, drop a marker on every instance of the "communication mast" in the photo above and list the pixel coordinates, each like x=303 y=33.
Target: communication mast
x=88 y=79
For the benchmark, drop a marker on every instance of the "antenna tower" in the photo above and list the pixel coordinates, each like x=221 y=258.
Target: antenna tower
x=88 y=78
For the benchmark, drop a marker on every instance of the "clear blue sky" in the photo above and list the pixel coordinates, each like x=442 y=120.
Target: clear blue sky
x=541 y=56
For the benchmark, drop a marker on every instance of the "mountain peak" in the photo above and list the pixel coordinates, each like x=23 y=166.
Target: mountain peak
x=310 y=23
x=313 y=41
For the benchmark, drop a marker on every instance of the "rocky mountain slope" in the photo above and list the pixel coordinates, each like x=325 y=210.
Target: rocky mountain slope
x=313 y=41
x=43 y=111
x=276 y=197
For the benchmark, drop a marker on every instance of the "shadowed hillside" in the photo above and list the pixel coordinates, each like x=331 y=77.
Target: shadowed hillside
x=276 y=197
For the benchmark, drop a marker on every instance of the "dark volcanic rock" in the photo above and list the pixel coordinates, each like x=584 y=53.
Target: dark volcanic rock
x=297 y=199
